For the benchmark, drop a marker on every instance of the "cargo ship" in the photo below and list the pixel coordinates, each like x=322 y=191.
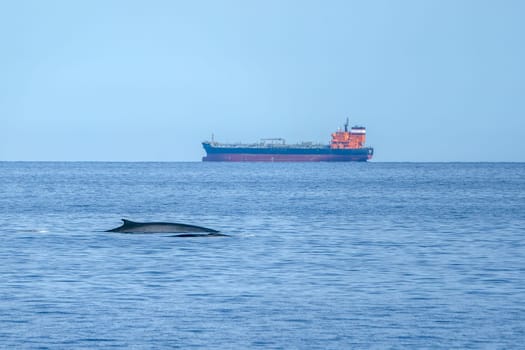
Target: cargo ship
x=346 y=145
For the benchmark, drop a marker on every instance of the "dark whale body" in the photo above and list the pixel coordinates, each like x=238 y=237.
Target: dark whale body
x=165 y=227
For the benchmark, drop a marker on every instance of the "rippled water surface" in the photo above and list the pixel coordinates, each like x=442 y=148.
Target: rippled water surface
x=321 y=256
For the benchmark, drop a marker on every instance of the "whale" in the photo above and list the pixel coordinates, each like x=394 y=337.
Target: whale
x=186 y=230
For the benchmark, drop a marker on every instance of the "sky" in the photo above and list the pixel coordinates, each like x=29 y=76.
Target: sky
x=95 y=80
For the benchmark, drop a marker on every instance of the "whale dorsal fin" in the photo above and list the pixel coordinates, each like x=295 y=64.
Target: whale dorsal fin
x=128 y=222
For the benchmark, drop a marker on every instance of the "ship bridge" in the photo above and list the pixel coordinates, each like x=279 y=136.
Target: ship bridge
x=353 y=139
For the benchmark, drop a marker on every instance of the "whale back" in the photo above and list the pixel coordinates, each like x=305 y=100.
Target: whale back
x=129 y=226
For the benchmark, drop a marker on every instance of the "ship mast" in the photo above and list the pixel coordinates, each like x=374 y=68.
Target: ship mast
x=346 y=125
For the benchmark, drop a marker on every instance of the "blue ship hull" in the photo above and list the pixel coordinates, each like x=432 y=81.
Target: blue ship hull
x=273 y=153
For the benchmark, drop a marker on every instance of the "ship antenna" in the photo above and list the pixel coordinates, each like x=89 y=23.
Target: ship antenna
x=346 y=125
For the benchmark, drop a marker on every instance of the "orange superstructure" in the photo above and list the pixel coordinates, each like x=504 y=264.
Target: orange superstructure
x=355 y=138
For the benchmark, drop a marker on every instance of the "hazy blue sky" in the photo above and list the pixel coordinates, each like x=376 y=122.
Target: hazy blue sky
x=149 y=80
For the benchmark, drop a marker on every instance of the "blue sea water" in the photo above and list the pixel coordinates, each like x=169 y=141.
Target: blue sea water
x=321 y=256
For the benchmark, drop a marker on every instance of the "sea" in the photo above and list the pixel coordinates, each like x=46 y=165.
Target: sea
x=319 y=256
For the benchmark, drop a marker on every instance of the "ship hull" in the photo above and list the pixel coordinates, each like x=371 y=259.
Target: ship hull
x=285 y=154
x=228 y=157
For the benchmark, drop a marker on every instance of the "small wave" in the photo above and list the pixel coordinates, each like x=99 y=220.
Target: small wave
x=32 y=231
x=247 y=235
